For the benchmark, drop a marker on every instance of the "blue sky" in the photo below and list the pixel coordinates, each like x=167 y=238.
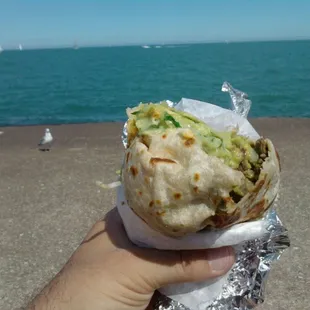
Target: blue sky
x=43 y=23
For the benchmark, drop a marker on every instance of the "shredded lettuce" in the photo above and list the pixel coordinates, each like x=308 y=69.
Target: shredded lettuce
x=168 y=117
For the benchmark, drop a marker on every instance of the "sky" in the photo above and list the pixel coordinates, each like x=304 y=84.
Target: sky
x=51 y=23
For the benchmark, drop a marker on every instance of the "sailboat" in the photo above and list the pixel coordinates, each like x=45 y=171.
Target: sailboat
x=75 y=46
x=20 y=47
x=1 y=49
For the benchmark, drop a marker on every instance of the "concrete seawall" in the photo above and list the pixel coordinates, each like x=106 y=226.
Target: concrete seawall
x=49 y=200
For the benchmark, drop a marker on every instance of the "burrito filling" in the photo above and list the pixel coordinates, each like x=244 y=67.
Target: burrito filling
x=236 y=151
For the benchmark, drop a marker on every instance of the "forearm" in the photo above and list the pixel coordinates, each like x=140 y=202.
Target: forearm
x=43 y=302
x=71 y=290
x=54 y=296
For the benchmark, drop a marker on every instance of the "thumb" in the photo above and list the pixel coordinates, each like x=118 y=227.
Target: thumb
x=160 y=268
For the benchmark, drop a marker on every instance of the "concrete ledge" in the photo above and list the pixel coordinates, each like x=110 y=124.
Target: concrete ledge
x=49 y=200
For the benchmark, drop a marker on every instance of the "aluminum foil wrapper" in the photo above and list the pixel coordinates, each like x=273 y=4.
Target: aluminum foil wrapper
x=246 y=281
x=245 y=284
x=239 y=100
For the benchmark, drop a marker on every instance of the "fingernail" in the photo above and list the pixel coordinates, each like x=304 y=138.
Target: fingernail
x=221 y=259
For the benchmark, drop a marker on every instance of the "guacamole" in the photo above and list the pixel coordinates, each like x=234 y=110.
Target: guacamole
x=238 y=152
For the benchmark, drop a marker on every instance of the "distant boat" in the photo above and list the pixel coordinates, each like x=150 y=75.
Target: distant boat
x=1 y=49
x=145 y=46
x=20 y=47
x=157 y=46
x=75 y=46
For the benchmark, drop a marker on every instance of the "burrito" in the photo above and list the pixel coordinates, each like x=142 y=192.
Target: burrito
x=181 y=176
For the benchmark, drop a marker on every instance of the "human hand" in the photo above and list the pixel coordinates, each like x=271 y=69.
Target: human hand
x=108 y=272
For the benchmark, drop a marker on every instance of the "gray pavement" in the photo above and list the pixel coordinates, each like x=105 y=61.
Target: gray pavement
x=49 y=200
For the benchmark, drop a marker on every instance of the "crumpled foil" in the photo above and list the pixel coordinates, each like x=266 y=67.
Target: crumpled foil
x=245 y=285
x=246 y=282
x=239 y=100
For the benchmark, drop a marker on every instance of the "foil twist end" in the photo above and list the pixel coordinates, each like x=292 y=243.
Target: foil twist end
x=239 y=100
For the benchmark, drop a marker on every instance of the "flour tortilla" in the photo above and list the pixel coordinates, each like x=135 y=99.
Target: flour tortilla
x=177 y=188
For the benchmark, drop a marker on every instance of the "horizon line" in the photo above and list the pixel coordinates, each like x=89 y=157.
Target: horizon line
x=67 y=46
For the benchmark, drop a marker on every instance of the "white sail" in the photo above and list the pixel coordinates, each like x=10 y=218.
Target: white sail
x=20 y=47
x=1 y=49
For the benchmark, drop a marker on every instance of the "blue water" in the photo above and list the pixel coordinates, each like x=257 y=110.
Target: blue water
x=97 y=84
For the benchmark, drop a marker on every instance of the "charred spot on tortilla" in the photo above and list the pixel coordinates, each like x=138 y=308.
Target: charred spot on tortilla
x=140 y=193
x=189 y=142
x=177 y=196
x=134 y=170
x=151 y=204
x=164 y=136
x=196 y=177
x=156 y=160
x=158 y=202
x=196 y=189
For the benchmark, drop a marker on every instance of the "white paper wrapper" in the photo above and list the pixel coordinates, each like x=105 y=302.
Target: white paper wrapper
x=201 y=296
x=195 y=296
x=144 y=236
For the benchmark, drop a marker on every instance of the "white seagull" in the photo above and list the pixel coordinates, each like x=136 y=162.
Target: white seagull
x=47 y=139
